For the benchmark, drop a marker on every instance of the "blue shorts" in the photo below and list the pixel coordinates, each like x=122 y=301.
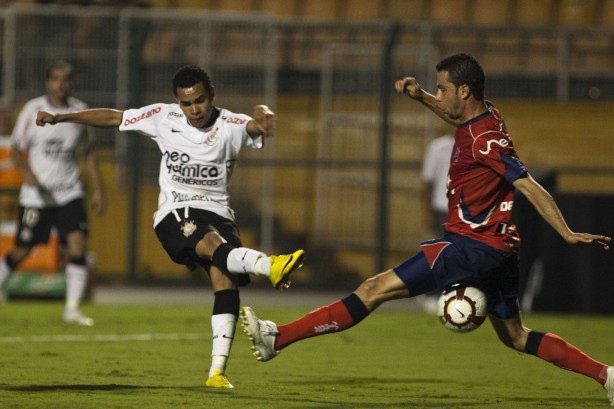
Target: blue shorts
x=456 y=259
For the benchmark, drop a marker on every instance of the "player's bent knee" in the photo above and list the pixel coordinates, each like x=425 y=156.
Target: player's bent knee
x=76 y=243
x=371 y=290
x=209 y=243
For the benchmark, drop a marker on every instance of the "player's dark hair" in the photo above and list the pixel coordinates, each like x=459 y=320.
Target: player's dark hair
x=190 y=75
x=464 y=69
x=59 y=64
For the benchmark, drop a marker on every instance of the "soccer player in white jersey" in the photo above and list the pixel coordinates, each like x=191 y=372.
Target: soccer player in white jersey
x=200 y=143
x=52 y=194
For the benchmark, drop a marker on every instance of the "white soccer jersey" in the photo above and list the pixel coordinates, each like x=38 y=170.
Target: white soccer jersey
x=196 y=163
x=52 y=153
x=435 y=170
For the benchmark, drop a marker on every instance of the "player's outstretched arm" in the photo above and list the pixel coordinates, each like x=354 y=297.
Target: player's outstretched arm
x=264 y=122
x=550 y=212
x=99 y=117
x=411 y=87
x=97 y=196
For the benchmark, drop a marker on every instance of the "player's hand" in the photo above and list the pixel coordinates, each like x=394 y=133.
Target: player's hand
x=43 y=118
x=589 y=239
x=409 y=86
x=98 y=203
x=512 y=239
x=28 y=177
x=265 y=120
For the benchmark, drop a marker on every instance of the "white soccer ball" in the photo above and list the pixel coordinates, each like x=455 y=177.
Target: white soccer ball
x=462 y=309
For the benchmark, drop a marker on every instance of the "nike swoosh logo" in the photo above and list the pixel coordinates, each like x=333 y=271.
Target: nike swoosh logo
x=223 y=336
x=461 y=313
x=298 y=262
x=174 y=130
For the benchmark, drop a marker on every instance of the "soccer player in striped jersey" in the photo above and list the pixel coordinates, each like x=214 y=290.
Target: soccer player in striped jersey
x=479 y=246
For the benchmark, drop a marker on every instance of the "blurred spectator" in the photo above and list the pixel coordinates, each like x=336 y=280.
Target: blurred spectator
x=434 y=177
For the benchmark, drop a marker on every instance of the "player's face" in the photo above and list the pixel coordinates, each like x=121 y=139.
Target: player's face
x=449 y=96
x=59 y=85
x=196 y=104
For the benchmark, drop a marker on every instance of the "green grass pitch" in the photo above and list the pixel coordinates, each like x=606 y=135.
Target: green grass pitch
x=158 y=357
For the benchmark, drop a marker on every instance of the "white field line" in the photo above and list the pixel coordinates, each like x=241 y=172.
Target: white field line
x=103 y=338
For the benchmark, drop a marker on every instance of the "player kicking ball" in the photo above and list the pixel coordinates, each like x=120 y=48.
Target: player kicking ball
x=194 y=222
x=478 y=247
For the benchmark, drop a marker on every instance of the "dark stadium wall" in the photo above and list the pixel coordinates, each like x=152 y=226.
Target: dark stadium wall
x=575 y=279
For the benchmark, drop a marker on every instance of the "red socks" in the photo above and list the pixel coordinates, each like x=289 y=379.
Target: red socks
x=556 y=350
x=345 y=313
x=338 y=316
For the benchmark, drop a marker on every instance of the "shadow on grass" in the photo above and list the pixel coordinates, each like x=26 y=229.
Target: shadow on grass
x=423 y=400
x=92 y=388
x=332 y=380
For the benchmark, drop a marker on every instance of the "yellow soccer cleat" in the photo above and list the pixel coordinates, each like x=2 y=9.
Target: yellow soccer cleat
x=282 y=266
x=219 y=381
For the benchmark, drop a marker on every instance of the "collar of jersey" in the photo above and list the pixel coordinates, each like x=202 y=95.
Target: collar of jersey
x=477 y=118
x=214 y=116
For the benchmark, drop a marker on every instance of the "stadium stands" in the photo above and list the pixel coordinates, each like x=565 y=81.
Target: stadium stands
x=573 y=13
x=487 y=12
x=605 y=15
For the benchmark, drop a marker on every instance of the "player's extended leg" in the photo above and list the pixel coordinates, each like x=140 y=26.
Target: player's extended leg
x=223 y=324
x=9 y=263
x=554 y=349
x=268 y=338
x=410 y=278
x=243 y=260
x=76 y=279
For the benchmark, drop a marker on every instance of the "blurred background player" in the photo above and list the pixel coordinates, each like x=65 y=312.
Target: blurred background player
x=52 y=193
x=476 y=249
x=194 y=222
x=434 y=176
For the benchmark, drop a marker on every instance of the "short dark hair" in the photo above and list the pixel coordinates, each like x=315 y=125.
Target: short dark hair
x=464 y=69
x=190 y=75
x=59 y=64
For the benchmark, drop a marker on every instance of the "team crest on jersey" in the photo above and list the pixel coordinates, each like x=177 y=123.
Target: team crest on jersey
x=26 y=235
x=456 y=156
x=212 y=137
x=188 y=228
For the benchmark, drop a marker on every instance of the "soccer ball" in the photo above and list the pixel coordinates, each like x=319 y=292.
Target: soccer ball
x=462 y=309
